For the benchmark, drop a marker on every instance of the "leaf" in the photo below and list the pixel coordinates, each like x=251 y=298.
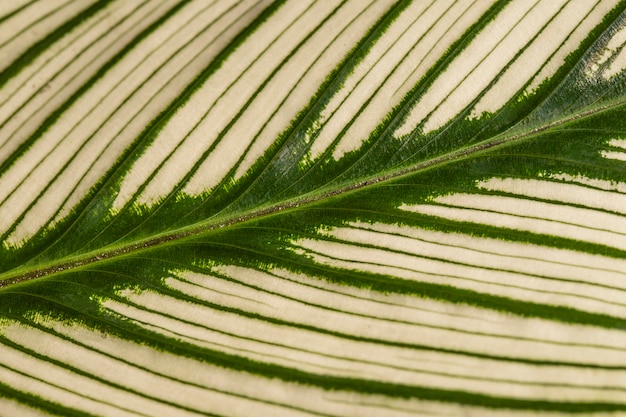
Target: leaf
x=338 y=208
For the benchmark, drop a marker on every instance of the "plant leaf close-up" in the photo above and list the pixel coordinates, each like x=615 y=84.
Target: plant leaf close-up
x=312 y=208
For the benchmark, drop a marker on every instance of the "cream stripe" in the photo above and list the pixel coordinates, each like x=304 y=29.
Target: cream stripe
x=506 y=284
x=384 y=57
x=500 y=254
x=191 y=129
x=229 y=149
x=31 y=24
x=58 y=385
x=191 y=333
x=10 y=408
x=619 y=156
x=166 y=83
x=479 y=77
x=618 y=143
x=242 y=134
x=572 y=43
x=382 y=329
x=460 y=69
x=161 y=387
x=111 y=143
x=532 y=60
x=56 y=74
x=27 y=179
x=7 y=7
x=558 y=191
x=305 y=89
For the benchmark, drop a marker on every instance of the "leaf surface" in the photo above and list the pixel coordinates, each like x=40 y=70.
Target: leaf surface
x=337 y=208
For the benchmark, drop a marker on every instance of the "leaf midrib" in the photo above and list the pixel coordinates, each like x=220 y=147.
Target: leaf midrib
x=23 y=274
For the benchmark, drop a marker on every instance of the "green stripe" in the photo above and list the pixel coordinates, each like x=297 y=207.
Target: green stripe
x=16 y=11
x=39 y=47
x=86 y=143
x=40 y=404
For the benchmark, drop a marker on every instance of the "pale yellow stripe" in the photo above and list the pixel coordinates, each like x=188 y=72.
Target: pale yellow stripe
x=7 y=7
x=572 y=43
x=46 y=90
x=229 y=149
x=32 y=27
x=317 y=74
x=165 y=85
x=458 y=71
x=381 y=60
x=617 y=63
x=191 y=128
x=619 y=156
x=618 y=143
x=181 y=310
x=534 y=57
x=478 y=78
x=558 y=191
x=84 y=394
x=540 y=217
x=496 y=253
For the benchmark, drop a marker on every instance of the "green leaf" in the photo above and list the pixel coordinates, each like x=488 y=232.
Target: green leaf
x=332 y=208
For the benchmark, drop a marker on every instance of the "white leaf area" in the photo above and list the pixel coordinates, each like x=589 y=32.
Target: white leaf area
x=253 y=208
x=240 y=110
x=291 y=320
x=612 y=61
x=524 y=44
x=61 y=167
x=320 y=328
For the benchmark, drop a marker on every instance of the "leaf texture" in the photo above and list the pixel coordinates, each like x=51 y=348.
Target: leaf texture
x=312 y=208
